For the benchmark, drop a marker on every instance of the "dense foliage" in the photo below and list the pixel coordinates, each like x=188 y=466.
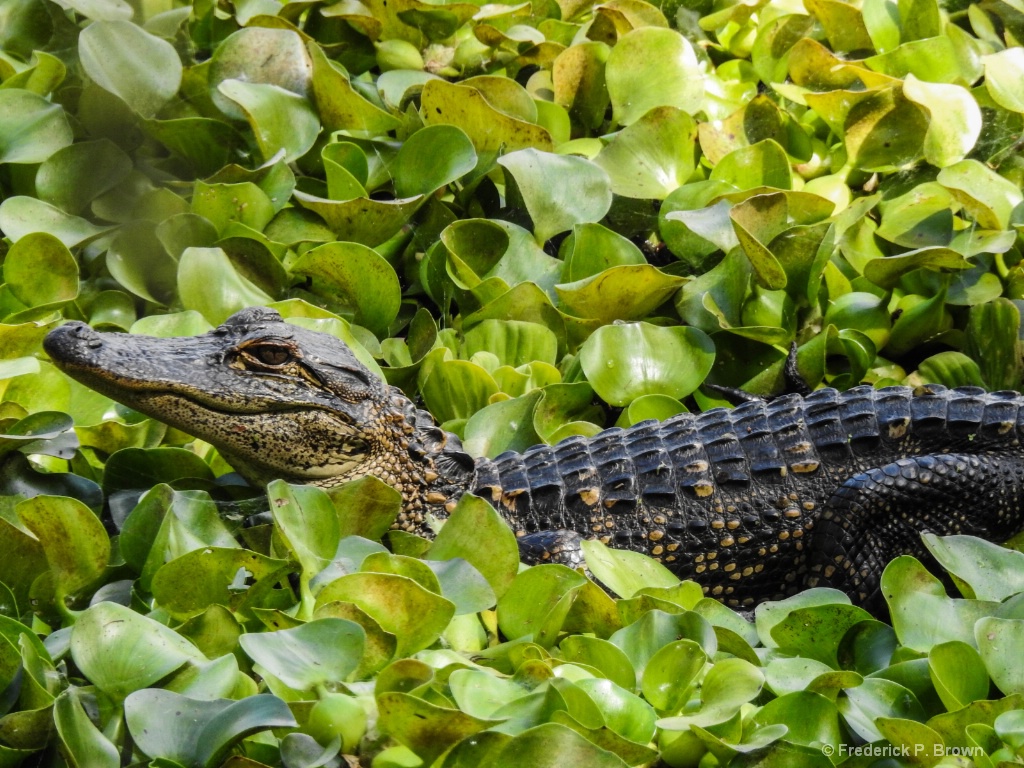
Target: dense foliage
x=541 y=219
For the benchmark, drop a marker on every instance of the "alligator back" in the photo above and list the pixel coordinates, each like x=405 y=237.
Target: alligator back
x=733 y=497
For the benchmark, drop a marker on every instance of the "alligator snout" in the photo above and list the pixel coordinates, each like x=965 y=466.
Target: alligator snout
x=71 y=342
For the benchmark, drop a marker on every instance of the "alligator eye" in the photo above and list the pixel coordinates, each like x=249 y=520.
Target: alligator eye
x=269 y=354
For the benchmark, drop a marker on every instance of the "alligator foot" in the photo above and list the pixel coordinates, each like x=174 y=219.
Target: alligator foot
x=794 y=383
x=880 y=514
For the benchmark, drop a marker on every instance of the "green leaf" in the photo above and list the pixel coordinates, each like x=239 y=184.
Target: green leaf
x=195 y=733
x=623 y=712
x=85 y=743
x=988 y=197
x=602 y=655
x=399 y=604
x=537 y=603
x=764 y=164
x=875 y=698
x=811 y=719
x=362 y=220
x=74 y=176
x=141 y=69
x=456 y=389
x=911 y=735
x=21 y=216
x=477 y=534
x=464 y=585
x=209 y=284
x=225 y=204
x=958 y=674
x=488 y=128
x=73 y=539
x=257 y=54
x=593 y=248
x=652 y=67
x=506 y=425
x=425 y=728
x=138 y=261
x=481 y=694
x=40 y=270
x=618 y=293
x=31 y=128
x=623 y=572
x=1004 y=78
x=886 y=272
x=365 y=507
x=579 y=84
x=922 y=615
x=361 y=276
x=653 y=156
x=281 y=120
x=431 y=159
x=668 y=677
x=237 y=578
x=341 y=107
x=955 y=123
x=951 y=369
x=624 y=362
x=514 y=343
x=121 y=651
x=993 y=331
x=986 y=571
x=320 y=652
x=1000 y=644
x=558 y=191
x=816 y=632
x=551 y=745
x=886 y=130
x=336 y=714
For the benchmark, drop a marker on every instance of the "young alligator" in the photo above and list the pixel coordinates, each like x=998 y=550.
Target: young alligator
x=754 y=503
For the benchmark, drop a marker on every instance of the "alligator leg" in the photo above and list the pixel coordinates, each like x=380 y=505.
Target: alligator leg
x=881 y=513
x=794 y=383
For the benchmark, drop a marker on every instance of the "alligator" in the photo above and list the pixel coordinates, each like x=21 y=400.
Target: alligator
x=755 y=502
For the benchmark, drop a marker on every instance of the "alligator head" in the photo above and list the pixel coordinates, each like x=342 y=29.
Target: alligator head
x=278 y=401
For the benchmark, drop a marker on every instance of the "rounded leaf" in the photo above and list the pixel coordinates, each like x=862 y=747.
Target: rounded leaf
x=1004 y=77
x=281 y=120
x=320 y=652
x=40 y=270
x=31 y=128
x=653 y=67
x=955 y=119
x=653 y=156
x=1001 y=645
x=361 y=276
x=74 y=176
x=400 y=605
x=121 y=651
x=143 y=70
x=209 y=283
x=624 y=362
x=432 y=158
x=259 y=55
x=558 y=191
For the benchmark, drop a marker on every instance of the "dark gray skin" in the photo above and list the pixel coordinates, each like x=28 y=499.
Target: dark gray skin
x=754 y=503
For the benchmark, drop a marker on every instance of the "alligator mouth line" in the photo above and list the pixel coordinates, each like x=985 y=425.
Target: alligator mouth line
x=221 y=410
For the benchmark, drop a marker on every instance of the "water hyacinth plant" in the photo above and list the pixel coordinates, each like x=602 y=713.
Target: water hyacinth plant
x=539 y=219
